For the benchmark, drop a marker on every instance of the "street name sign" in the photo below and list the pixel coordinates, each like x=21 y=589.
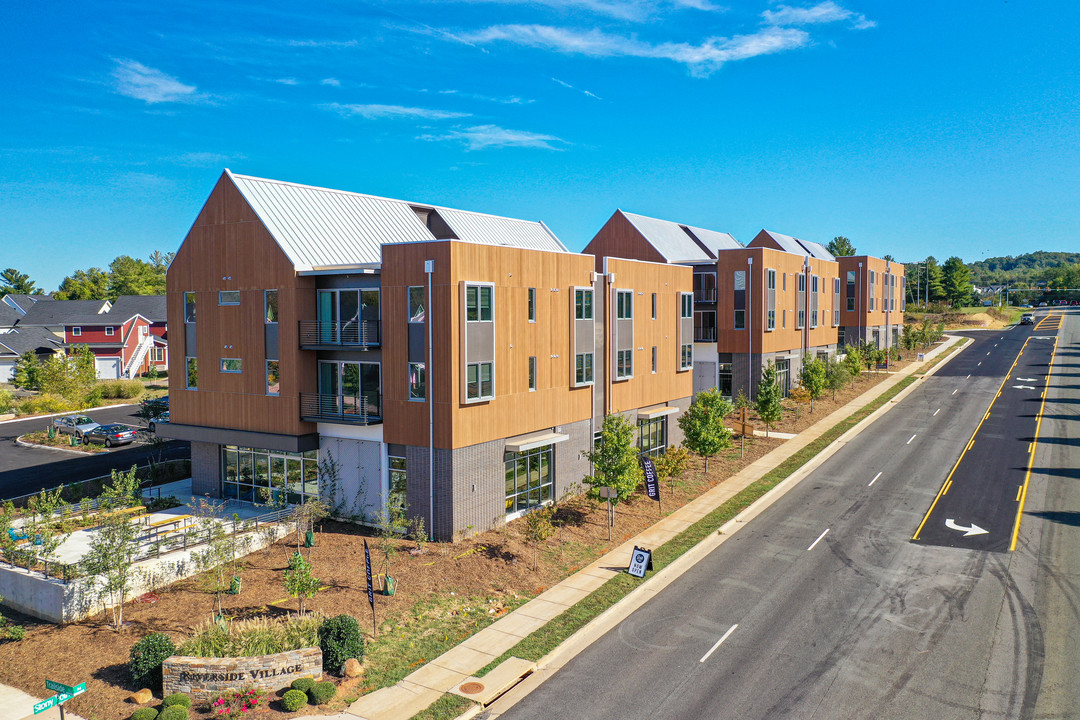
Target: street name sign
x=59 y=687
x=59 y=699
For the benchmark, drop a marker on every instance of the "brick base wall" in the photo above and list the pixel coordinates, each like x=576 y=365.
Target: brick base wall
x=206 y=678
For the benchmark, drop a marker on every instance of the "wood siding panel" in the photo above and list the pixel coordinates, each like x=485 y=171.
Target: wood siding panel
x=620 y=239
x=861 y=316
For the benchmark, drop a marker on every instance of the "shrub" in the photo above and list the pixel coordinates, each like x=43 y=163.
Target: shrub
x=44 y=403
x=322 y=692
x=174 y=712
x=144 y=714
x=14 y=632
x=340 y=639
x=147 y=655
x=302 y=684
x=177 y=699
x=125 y=389
x=7 y=401
x=253 y=637
x=236 y=703
x=293 y=700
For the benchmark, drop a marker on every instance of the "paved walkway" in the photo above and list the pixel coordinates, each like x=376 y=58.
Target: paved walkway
x=454 y=667
x=17 y=705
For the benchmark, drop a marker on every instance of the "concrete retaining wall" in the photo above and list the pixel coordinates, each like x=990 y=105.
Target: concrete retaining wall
x=206 y=678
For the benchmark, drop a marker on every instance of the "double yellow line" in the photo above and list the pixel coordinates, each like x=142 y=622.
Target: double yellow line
x=948 y=478
x=1031 y=457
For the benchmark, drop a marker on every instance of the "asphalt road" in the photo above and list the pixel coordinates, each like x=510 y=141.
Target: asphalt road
x=822 y=607
x=26 y=470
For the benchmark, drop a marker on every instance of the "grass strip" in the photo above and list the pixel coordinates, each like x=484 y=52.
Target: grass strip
x=448 y=707
x=550 y=636
x=939 y=357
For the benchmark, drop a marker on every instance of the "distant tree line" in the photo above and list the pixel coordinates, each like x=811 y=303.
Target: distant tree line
x=125 y=276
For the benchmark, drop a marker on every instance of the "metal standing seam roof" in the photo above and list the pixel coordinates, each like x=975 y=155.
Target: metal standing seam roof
x=678 y=243
x=801 y=247
x=321 y=228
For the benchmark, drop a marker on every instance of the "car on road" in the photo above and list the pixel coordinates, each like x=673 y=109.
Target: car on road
x=154 y=407
x=162 y=418
x=110 y=435
x=77 y=425
x=1027 y=319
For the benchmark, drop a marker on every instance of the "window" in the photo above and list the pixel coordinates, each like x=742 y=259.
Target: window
x=478 y=303
x=740 y=319
x=704 y=326
x=800 y=301
x=652 y=436
x=192 y=373
x=110 y=331
x=478 y=382
x=836 y=302
x=350 y=316
x=158 y=354
x=624 y=304
x=783 y=375
x=259 y=475
x=76 y=332
x=417 y=382
x=583 y=368
x=189 y=307
x=740 y=300
x=654 y=306
x=770 y=300
x=273 y=378
x=850 y=293
x=532 y=373
x=873 y=288
x=814 y=287
x=398 y=482
x=231 y=365
x=840 y=338
x=654 y=359
x=903 y=294
x=723 y=379
x=686 y=358
x=583 y=304
x=416 y=304
x=705 y=287
x=687 y=306
x=624 y=364
x=532 y=305
x=270 y=300
x=228 y=297
x=529 y=478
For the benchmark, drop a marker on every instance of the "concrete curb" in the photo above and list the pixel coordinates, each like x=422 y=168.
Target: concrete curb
x=21 y=418
x=22 y=443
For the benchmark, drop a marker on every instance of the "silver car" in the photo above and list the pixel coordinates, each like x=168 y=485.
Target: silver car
x=77 y=425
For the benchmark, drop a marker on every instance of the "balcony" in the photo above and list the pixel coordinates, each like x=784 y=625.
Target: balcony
x=705 y=333
x=707 y=295
x=362 y=409
x=358 y=335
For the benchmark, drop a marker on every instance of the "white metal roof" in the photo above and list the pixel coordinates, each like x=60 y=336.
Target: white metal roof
x=679 y=243
x=323 y=228
x=801 y=247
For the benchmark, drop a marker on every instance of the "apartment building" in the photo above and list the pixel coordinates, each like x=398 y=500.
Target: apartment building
x=873 y=303
x=455 y=360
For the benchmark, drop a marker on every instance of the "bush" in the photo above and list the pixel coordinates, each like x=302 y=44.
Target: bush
x=144 y=714
x=44 y=403
x=7 y=401
x=147 y=655
x=293 y=700
x=340 y=639
x=322 y=692
x=125 y=389
x=14 y=632
x=174 y=712
x=253 y=637
x=302 y=684
x=177 y=699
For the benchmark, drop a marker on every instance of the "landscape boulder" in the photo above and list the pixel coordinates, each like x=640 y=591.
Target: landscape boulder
x=141 y=697
x=353 y=668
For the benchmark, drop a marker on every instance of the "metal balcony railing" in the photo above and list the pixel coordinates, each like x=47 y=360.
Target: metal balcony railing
x=354 y=333
x=705 y=296
x=362 y=409
x=704 y=334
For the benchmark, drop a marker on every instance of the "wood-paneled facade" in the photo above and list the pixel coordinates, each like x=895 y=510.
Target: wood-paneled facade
x=873 y=294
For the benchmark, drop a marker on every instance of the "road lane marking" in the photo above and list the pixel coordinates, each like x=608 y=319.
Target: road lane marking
x=818 y=540
x=718 y=643
x=968 y=376
x=948 y=478
x=973 y=529
x=910 y=439
x=1019 y=490
x=948 y=484
x=987 y=353
x=936 y=412
x=875 y=479
x=1030 y=446
x=1031 y=456
x=954 y=391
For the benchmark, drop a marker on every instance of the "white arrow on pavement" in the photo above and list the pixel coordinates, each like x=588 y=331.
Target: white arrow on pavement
x=1019 y=379
x=973 y=530
x=1023 y=387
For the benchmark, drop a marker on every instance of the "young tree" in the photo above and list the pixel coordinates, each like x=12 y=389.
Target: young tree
x=672 y=464
x=43 y=525
x=852 y=363
x=219 y=562
x=109 y=559
x=538 y=528
x=840 y=246
x=799 y=396
x=13 y=282
x=614 y=459
x=299 y=582
x=812 y=377
x=27 y=372
x=703 y=425
x=305 y=515
x=836 y=375
x=770 y=396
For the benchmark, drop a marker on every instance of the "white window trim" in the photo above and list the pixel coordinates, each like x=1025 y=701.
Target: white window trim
x=592 y=365
x=110 y=331
x=468 y=285
x=76 y=332
x=479 y=382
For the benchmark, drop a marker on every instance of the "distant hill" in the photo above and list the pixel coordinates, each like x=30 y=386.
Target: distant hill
x=1028 y=266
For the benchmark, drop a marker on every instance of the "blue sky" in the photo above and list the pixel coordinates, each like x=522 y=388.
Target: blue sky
x=912 y=128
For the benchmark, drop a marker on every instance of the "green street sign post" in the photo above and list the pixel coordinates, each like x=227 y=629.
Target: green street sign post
x=59 y=699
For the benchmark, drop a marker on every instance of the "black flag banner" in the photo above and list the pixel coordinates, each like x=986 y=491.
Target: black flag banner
x=370 y=589
x=652 y=483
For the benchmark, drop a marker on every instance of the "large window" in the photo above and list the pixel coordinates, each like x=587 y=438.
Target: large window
x=192 y=373
x=417 y=381
x=351 y=316
x=350 y=388
x=232 y=365
x=273 y=378
x=270 y=302
x=704 y=326
x=770 y=299
x=624 y=304
x=624 y=364
x=687 y=306
x=262 y=476
x=189 y=307
x=583 y=306
x=836 y=302
x=800 y=302
x=398 y=482
x=849 y=295
x=530 y=476
x=723 y=379
x=478 y=381
x=705 y=287
x=416 y=304
x=652 y=436
x=478 y=303
x=583 y=368
x=814 y=287
x=739 y=304
x=873 y=289
x=783 y=375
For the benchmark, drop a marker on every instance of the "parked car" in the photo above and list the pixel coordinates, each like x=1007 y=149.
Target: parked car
x=77 y=425
x=109 y=435
x=154 y=407
x=162 y=418
x=1027 y=319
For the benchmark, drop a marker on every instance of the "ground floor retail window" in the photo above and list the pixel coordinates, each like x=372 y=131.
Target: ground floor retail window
x=256 y=475
x=652 y=436
x=783 y=375
x=530 y=476
x=398 y=481
x=723 y=379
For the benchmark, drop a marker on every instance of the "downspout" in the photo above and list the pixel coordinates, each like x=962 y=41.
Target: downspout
x=749 y=328
x=429 y=268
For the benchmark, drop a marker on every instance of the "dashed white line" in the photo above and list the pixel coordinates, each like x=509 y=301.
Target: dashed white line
x=718 y=643
x=968 y=377
x=875 y=479
x=954 y=391
x=987 y=353
x=979 y=363
x=818 y=540
x=910 y=439
x=936 y=412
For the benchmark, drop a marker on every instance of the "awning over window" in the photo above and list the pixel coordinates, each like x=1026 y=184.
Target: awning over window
x=534 y=440
x=655 y=412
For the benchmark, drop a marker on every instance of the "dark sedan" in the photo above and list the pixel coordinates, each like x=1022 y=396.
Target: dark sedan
x=111 y=435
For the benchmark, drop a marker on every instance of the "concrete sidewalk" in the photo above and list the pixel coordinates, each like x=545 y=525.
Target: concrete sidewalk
x=18 y=705
x=456 y=666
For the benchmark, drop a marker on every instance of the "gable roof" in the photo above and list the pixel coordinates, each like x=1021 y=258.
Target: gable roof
x=31 y=339
x=68 y=312
x=21 y=303
x=151 y=307
x=8 y=315
x=679 y=243
x=798 y=247
x=320 y=228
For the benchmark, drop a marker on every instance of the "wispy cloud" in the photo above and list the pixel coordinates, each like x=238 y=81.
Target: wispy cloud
x=824 y=12
x=150 y=85
x=319 y=43
x=571 y=87
x=701 y=59
x=204 y=159
x=510 y=100
x=480 y=137
x=332 y=82
x=620 y=9
x=286 y=81
x=381 y=112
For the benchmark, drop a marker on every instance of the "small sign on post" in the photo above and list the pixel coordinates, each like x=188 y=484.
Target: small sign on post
x=640 y=561
x=59 y=699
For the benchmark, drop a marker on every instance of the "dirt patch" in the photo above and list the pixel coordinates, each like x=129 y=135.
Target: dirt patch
x=60 y=441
